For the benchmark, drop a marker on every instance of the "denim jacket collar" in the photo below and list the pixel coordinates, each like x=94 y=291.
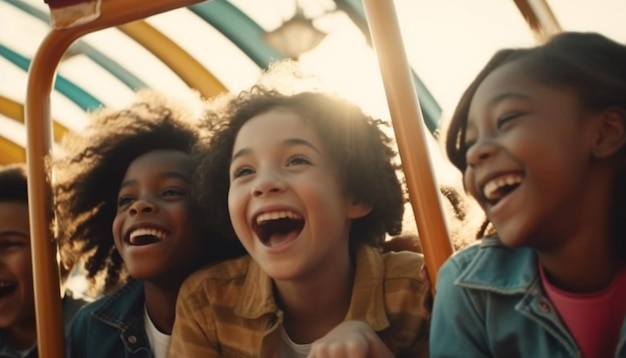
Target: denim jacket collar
x=501 y=270
x=124 y=311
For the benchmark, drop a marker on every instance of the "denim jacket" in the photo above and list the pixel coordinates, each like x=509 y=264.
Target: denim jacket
x=70 y=303
x=490 y=303
x=111 y=326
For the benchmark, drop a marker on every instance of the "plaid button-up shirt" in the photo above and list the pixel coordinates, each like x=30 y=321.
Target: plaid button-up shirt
x=229 y=310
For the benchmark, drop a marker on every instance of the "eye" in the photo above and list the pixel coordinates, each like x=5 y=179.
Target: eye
x=174 y=192
x=124 y=200
x=506 y=118
x=243 y=171
x=12 y=243
x=299 y=160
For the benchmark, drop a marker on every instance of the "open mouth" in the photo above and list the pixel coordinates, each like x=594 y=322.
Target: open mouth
x=497 y=188
x=7 y=288
x=145 y=236
x=275 y=227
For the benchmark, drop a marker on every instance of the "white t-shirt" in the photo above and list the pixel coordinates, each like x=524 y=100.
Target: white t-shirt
x=289 y=349
x=159 y=342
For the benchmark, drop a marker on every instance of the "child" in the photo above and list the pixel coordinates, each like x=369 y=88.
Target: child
x=539 y=136
x=18 y=330
x=311 y=190
x=123 y=202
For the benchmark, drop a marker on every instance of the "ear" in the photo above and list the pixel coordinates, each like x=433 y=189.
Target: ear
x=357 y=209
x=611 y=133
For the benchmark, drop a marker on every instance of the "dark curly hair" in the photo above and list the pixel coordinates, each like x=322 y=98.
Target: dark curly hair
x=86 y=179
x=361 y=151
x=589 y=63
x=13 y=183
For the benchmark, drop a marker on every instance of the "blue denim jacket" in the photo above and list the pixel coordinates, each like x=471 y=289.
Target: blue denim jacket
x=71 y=304
x=490 y=303
x=111 y=326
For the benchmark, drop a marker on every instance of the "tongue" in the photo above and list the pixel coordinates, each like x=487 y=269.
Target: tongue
x=277 y=239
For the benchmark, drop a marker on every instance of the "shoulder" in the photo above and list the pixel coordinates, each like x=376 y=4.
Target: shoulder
x=216 y=277
x=402 y=264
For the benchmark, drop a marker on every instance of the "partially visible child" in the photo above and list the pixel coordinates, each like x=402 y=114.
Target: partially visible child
x=124 y=209
x=539 y=136
x=18 y=329
x=309 y=184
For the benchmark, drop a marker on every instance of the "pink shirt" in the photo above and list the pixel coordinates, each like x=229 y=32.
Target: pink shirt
x=593 y=319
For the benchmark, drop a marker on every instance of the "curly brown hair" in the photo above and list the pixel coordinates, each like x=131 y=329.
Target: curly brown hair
x=87 y=177
x=361 y=150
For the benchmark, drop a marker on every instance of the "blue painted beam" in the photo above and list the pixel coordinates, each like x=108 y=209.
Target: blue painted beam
x=76 y=94
x=122 y=74
x=238 y=28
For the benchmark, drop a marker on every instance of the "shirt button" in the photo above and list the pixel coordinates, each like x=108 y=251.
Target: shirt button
x=132 y=339
x=545 y=306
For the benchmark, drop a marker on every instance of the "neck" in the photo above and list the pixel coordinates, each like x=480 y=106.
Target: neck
x=21 y=337
x=316 y=305
x=161 y=305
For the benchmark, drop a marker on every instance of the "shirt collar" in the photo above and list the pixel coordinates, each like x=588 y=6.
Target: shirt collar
x=367 y=301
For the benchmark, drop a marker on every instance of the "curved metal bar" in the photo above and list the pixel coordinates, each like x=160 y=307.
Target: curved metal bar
x=238 y=28
x=175 y=57
x=429 y=105
x=539 y=17
x=50 y=338
x=76 y=94
x=410 y=134
x=15 y=111
x=126 y=77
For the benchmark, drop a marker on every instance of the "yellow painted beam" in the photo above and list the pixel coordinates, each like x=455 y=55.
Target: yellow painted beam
x=10 y=152
x=15 y=111
x=192 y=72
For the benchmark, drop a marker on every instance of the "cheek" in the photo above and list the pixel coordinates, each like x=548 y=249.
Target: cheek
x=236 y=210
x=468 y=183
x=116 y=230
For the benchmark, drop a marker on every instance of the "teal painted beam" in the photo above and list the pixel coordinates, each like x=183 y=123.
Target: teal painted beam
x=238 y=28
x=76 y=94
x=115 y=69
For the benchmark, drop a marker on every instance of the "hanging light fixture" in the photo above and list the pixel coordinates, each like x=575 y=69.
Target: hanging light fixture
x=296 y=35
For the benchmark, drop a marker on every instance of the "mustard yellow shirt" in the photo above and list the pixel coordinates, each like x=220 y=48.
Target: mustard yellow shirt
x=228 y=310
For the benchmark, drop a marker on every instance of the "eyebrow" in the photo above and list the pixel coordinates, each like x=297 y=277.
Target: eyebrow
x=14 y=233
x=164 y=175
x=289 y=142
x=507 y=95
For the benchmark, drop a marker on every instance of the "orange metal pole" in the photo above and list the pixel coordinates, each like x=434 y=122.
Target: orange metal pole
x=540 y=18
x=410 y=133
x=50 y=337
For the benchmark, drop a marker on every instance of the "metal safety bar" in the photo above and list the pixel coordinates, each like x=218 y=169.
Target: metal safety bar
x=50 y=337
x=410 y=133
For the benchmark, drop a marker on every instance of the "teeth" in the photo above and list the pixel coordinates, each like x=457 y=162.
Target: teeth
x=275 y=215
x=491 y=188
x=147 y=231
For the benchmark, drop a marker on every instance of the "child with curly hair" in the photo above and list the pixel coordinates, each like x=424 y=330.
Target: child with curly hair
x=307 y=183
x=540 y=136
x=124 y=208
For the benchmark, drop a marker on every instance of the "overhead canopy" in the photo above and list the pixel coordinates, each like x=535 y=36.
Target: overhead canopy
x=223 y=45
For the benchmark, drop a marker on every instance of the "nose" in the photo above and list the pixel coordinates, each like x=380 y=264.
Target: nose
x=479 y=152
x=267 y=183
x=142 y=206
